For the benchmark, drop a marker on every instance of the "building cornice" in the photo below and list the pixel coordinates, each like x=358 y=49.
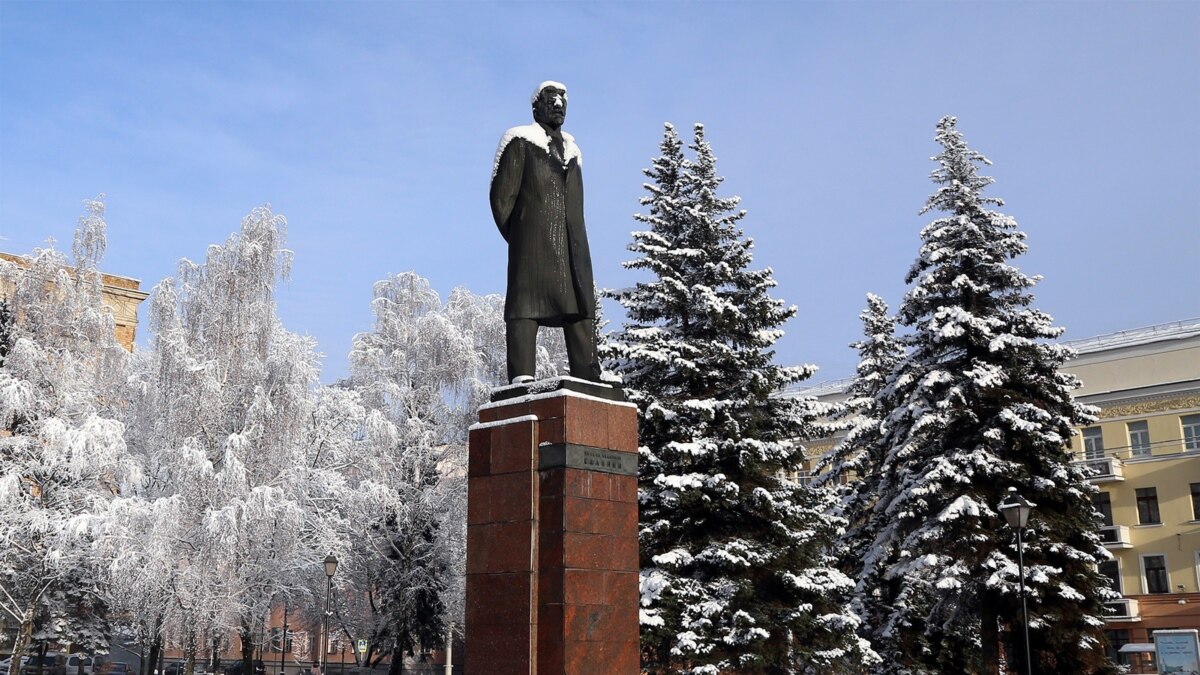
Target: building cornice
x=1175 y=330
x=1180 y=396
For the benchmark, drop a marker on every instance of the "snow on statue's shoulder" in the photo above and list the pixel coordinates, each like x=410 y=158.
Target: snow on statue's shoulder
x=536 y=135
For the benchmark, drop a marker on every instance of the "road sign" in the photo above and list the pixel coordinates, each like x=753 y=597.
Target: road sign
x=362 y=646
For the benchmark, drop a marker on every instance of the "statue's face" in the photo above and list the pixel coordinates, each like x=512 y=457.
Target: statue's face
x=551 y=106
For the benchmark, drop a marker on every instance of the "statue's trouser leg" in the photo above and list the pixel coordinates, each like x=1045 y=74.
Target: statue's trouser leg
x=520 y=336
x=581 y=349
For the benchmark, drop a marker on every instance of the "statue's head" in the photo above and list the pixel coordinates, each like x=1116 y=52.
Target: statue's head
x=550 y=103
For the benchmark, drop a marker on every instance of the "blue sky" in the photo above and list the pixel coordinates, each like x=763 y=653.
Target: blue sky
x=372 y=127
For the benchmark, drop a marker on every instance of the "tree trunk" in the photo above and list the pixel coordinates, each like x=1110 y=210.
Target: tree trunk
x=155 y=647
x=989 y=639
x=215 y=662
x=41 y=652
x=189 y=654
x=397 y=665
x=24 y=636
x=247 y=635
x=151 y=664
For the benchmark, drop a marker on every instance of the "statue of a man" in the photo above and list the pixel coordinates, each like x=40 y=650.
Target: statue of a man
x=537 y=202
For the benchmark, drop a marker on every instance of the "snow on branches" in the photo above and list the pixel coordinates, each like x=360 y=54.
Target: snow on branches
x=735 y=574
x=222 y=416
x=63 y=455
x=977 y=404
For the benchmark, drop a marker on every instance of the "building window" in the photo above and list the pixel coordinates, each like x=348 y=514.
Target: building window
x=1116 y=640
x=1195 y=501
x=1191 y=432
x=1112 y=570
x=300 y=642
x=1154 y=569
x=277 y=639
x=1147 y=505
x=1103 y=503
x=1093 y=443
x=1139 y=438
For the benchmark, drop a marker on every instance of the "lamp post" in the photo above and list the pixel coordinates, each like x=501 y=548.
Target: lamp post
x=1016 y=511
x=331 y=565
x=283 y=641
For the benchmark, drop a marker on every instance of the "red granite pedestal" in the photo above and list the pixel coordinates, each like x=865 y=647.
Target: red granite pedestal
x=552 y=558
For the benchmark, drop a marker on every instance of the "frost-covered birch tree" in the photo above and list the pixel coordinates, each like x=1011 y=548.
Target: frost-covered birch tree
x=235 y=476
x=413 y=374
x=8 y=328
x=735 y=574
x=979 y=405
x=63 y=457
x=420 y=374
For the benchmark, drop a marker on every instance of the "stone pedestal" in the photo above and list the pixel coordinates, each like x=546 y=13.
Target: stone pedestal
x=552 y=557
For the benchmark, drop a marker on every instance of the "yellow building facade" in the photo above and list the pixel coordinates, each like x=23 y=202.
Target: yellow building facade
x=1144 y=456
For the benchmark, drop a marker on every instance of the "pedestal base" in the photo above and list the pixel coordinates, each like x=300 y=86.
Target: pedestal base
x=552 y=557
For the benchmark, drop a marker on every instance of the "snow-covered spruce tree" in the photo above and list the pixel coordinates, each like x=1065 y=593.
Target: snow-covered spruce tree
x=878 y=352
x=846 y=468
x=223 y=420
x=979 y=405
x=62 y=454
x=734 y=571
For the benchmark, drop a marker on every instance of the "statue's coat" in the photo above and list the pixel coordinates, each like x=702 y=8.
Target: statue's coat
x=538 y=206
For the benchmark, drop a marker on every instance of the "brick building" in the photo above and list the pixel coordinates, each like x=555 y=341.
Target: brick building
x=121 y=294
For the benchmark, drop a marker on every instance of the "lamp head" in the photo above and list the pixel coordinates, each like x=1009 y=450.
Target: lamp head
x=1016 y=509
x=331 y=564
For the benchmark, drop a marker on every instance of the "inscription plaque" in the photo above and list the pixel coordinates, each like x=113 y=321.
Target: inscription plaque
x=572 y=456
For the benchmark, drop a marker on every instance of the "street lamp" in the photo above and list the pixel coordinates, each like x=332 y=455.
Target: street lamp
x=1016 y=511
x=283 y=641
x=331 y=564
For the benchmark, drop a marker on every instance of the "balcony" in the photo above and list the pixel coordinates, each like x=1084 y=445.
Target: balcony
x=1115 y=536
x=1104 y=470
x=1125 y=609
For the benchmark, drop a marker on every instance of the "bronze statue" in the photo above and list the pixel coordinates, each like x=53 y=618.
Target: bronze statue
x=537 y=202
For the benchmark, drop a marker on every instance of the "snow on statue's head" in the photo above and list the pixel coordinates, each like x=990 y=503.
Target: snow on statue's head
x=550 y=103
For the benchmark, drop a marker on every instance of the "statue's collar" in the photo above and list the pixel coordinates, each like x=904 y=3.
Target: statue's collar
x=536 y=135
